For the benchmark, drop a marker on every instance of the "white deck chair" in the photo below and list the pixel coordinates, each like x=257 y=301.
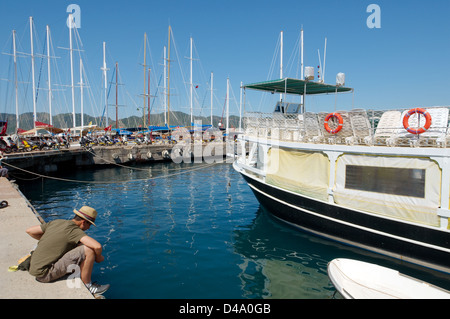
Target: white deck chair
x=387 y=128
x=438 y=128
x=362 y=131
x=340 y=136
x=310 y=129
x=251 y=125
x=290 y=130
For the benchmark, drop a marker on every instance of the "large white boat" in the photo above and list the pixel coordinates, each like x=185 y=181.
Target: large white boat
x=378 y=180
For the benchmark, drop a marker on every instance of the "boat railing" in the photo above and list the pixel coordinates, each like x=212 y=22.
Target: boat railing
x=359 y=127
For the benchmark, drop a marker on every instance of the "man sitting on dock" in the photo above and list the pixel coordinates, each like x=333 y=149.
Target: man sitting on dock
x=63 y=243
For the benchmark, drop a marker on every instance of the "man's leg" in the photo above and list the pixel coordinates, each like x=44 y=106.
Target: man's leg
x=86 y=271
x=61 y=267
x=87 y=264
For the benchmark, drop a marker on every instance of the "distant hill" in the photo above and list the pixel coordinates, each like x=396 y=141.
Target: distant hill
x=65 y=120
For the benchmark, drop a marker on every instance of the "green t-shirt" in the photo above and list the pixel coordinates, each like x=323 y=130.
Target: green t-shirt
x=60 y=236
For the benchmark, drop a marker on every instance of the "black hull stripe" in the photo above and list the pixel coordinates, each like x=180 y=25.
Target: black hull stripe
x=341 y=226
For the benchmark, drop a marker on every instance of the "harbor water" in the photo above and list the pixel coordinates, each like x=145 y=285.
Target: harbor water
x=194 y=231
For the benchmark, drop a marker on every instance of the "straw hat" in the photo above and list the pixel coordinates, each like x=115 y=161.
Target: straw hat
x=87 y=213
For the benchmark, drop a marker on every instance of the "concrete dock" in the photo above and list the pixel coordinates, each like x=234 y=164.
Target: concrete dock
x=15 y=243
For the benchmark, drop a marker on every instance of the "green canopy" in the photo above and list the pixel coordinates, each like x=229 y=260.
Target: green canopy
x=295 y=86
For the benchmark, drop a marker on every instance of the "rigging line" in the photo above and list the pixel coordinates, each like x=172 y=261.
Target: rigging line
x=108 y=182
x=40 y=72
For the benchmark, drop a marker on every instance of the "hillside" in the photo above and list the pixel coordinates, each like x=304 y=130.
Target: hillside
x=65 y=120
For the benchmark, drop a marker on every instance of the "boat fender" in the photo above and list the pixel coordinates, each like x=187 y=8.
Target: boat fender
x=165 y=154
x=422 y=129
x=115 y=156
x=339 y=118
x=149 y=154
x=130 y=156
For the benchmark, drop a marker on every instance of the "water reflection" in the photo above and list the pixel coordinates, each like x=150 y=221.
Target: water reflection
x=284 y=264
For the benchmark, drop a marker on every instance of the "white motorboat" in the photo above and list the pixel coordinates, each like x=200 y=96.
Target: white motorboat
x=355 y=279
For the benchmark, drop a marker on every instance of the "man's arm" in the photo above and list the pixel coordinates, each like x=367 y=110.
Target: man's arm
x=95 y=246
x=35 y=232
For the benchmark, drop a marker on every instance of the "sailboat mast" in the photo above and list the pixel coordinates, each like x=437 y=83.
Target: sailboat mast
x=71 y=68
x=168 y=81
x=117 y=95
x=148 y=97
x=49 y=77
x=212 y=82
x=106 y=84
x=240 y=109
x=15 y=80
x=228 y=104
x=32 y=73
x=191 y=85
x=81 y=94
x=165 y=86
x=145 y=75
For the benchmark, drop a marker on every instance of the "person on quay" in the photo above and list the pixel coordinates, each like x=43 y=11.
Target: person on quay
x=64 y=243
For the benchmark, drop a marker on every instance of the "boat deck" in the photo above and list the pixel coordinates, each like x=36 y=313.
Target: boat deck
x=358 y=127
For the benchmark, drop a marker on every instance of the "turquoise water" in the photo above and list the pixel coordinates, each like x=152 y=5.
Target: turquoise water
x=194 y=231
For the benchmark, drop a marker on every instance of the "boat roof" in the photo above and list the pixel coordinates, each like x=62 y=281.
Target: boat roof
x=296 y=86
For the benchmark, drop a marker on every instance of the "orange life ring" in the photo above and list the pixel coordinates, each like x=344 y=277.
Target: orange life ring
x=327 y=127
x=422 y=129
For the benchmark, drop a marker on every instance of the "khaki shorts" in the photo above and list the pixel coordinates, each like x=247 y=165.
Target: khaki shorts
x=61 y=267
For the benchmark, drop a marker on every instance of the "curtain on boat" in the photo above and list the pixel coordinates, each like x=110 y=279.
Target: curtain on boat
x=390 y=186
x=300 y=172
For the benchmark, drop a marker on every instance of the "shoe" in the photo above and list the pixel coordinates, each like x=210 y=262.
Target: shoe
x=97 y=289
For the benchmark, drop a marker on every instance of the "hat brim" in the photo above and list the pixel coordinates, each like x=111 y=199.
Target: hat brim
x=84 y=217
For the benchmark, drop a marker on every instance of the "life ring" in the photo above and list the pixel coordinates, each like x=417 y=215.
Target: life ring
x=422 y=129
x=340 y=119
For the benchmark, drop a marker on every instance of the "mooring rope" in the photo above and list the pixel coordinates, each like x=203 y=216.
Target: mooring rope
x=110 y=182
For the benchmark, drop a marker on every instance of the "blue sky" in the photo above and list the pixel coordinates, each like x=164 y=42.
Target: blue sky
x=404 y=63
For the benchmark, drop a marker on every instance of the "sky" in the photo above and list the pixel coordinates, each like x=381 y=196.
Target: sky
x=403 y=62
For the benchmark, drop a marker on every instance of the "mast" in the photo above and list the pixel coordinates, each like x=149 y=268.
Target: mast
x=168 y=82
x=15 y=79
x=106 y=85
x=281 y=60
x=145 y=75
x=301 y=65
x=191 y=85
x=49 y=77
x=71 y=68
x=81 y=94
x=165 y=86
x=148 y=97
x=228 y=104
x=32 y=73
x=240 y=108
x=324 y=61
x=212 y=82
x=117 y=112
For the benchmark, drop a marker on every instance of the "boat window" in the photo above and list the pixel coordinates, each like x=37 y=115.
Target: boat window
x=387 y=180
x=293 y=108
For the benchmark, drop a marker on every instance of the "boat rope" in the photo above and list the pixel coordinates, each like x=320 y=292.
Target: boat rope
x=111 y=182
